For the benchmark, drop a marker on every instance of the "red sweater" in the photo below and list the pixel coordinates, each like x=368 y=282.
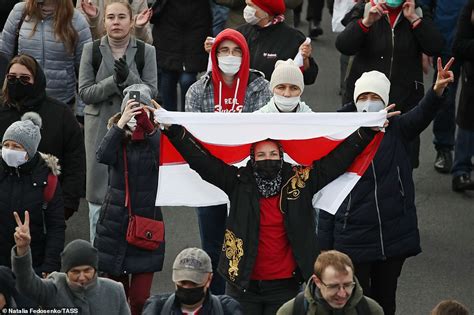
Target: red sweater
x=274 y=256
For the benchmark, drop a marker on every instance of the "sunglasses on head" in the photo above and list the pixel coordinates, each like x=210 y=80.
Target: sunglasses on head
x=23 y=78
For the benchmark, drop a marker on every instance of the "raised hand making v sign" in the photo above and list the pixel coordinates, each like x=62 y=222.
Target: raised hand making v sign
x=22 y=234
x=445 y=76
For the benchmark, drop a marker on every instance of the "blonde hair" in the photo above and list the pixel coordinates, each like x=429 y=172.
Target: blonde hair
x=62 y=24
x=123 y=2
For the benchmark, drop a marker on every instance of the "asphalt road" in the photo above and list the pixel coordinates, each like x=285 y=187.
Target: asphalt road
x=445 y=268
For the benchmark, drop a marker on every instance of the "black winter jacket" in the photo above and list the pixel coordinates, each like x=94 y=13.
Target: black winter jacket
x=378 y=219
x=116 y=256
x=272 y=43
x=22 y=189
x=396 y=53
x=299 y=184
x=61 y=136
x=155 y=303
x=179 y=31
x=463 y=49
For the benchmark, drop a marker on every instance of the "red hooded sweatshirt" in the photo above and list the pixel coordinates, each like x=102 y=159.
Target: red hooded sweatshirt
x=230 y=98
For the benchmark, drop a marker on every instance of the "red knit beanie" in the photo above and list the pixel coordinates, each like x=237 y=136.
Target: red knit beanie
x=272 y=7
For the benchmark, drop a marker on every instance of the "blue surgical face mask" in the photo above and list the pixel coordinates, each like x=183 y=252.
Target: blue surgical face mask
x=394 y=3
x=370 y=106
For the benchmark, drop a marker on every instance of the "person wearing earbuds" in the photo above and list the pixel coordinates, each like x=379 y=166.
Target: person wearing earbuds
x=233 y=87
x=287 y=85
x=377 y=224
x=130 y=150
x=24 y=174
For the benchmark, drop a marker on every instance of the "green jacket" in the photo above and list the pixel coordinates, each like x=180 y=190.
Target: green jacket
x=316 y=307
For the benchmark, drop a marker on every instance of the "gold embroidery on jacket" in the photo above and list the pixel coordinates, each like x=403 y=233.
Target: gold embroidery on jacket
x=298 y=181
x=233 y=248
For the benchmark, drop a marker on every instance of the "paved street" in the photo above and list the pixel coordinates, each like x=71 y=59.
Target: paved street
x=445 y=269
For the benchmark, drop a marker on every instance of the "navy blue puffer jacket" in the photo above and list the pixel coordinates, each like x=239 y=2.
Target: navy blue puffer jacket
x=378 y=219
x=116 y=256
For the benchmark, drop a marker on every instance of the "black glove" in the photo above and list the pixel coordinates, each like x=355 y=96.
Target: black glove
x=121 y=70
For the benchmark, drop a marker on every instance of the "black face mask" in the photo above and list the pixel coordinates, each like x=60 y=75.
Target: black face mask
x=189 y=296
x=19 y=91
x=268 y=169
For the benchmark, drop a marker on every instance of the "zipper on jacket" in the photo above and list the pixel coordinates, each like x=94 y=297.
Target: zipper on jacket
x=402 y=189
x=346 y=215
x=393 y=49
x=43 y=60
x=378 y=210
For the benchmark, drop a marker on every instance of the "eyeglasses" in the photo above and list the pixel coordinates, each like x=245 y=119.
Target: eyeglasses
x=225 y=51
x=334 y=288
x=22 y=78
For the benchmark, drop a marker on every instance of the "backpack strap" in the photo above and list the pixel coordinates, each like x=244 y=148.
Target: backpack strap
x=362 y=307
x=17 y=32
x=140 y=56
x=216 y=305
x=96 y=56
x=49 y=190
x=168 y=305
x=299 y=307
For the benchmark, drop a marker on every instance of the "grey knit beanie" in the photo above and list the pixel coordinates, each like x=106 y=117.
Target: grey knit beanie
x=79 y=253
x=287 y=72
x=25 y=132
x=145 y=95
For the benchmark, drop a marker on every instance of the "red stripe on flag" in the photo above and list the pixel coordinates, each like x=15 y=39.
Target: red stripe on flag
x=304 y=152
x=363 y=160
x=228 y=154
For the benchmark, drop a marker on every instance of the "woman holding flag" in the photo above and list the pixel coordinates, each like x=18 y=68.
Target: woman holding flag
x=377 y=223
x=269 y=244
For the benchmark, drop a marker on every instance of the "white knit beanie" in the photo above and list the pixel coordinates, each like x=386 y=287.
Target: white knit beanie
x=287 y=72
x=374 y=82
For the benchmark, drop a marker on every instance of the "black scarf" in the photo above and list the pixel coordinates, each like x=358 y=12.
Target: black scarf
x=267 y=187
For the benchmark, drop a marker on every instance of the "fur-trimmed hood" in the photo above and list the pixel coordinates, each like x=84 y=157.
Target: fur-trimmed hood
x=52 y=162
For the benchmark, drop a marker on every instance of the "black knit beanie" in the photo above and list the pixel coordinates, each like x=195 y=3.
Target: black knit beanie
x=79 y=253
x=7 y=282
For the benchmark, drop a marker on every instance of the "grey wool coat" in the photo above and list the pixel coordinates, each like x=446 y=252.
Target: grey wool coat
x=104 y=98
x=101 y=296
x=58 y=65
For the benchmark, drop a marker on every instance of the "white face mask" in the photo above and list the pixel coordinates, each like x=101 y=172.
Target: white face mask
x=13 y=158
x=229 y=64
x=250 y=15
x=286 y=104
x=370 y=106
x=132 y=123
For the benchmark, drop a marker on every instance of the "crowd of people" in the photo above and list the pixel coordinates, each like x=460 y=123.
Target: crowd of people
x=84 y=83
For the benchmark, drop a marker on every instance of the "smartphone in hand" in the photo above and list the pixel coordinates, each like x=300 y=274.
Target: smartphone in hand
x=135 y=95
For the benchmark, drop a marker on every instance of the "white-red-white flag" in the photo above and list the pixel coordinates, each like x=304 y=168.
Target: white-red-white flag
x=305 y=137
